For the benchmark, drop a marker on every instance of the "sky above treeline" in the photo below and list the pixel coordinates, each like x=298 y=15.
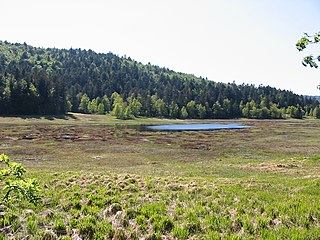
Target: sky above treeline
x=246 y=41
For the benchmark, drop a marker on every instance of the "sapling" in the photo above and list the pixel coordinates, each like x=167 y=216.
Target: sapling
x=15 y=186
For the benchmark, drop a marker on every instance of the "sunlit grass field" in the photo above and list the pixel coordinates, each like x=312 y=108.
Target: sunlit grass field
x=103 y=179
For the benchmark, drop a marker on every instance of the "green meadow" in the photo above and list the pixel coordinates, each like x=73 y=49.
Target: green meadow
x=101 y=178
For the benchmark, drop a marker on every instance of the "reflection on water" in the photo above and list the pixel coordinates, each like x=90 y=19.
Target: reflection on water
x=193 y=127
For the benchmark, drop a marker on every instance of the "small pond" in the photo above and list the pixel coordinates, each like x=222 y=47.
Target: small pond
x=194 y=127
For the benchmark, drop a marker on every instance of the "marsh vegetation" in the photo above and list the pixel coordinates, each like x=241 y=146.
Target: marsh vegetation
x=102 y=181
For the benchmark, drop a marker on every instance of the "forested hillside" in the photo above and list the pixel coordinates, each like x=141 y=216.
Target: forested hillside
x=53 y=81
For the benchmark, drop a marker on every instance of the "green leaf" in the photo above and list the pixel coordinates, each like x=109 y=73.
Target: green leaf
x=15 y=186
x=4 y=158
x=17 y=169
x=302 y=43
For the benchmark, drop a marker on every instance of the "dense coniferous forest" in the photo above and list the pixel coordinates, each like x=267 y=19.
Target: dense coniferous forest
x=53 y=81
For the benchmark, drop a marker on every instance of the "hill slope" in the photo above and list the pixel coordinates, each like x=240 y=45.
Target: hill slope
x=47 y=81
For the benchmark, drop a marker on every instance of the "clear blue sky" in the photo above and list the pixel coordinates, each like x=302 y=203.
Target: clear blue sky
x=246 y=41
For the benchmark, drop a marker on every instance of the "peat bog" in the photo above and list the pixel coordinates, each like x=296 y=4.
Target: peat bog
x=103 y=179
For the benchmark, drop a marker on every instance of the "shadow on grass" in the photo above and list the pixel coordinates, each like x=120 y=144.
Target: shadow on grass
x=67 y=116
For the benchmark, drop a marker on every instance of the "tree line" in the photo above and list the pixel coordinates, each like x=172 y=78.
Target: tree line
x=131 y=108
x=54 y=81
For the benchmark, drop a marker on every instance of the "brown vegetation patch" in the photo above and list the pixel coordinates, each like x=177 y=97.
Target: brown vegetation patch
x=77 y=145
x=196 y=145
x=274 y=167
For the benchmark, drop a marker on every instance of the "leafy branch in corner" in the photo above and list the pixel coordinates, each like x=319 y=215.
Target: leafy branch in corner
x=309 y=60
x=15 y=186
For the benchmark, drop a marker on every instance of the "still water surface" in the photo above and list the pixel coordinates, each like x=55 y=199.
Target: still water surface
x=195 y=127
